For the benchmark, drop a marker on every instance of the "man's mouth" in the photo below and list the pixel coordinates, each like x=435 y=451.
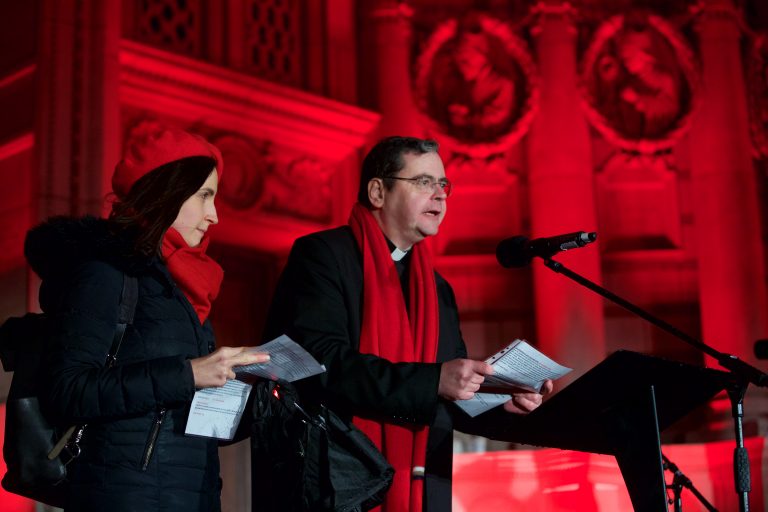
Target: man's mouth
x=433 y=213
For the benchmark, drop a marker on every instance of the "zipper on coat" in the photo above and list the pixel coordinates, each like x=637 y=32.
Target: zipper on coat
x=152 y=439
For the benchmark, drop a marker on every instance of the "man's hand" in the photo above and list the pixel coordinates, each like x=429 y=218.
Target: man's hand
x=461 y=378
x=526 y=401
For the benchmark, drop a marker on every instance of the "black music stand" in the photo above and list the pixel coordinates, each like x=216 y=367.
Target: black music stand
x=618 y=408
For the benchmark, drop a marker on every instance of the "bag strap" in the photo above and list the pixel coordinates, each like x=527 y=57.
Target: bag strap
x=68 y=447
x=128 y=299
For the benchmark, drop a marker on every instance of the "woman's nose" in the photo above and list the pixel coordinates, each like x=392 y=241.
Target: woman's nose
x=211 y=215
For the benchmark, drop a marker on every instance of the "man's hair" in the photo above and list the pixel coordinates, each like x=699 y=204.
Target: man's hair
x=153 y=202
x=386 y=159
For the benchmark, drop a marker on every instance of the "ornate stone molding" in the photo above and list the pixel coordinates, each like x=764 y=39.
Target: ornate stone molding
x=193 y=91
x=392 y=10
x=286 y=145
x=23 y=142
x=716 y=10
x=543 y=11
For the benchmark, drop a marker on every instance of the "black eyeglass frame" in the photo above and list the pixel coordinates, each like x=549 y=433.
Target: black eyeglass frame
x=445 y=184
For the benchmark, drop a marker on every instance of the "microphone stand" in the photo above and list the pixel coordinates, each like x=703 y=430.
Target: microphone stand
x=679 y=480
x=743 y=374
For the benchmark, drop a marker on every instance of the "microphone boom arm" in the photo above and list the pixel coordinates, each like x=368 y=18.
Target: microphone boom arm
x=743 y=373
x=741 y=369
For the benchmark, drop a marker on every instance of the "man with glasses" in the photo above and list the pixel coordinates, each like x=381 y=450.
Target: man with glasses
x=364 y=300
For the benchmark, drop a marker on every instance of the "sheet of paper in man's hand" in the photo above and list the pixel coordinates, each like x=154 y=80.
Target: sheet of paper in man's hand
x=518 y=365
x=216 y=412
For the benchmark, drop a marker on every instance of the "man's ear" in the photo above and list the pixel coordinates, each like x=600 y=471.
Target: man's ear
x=376 y=192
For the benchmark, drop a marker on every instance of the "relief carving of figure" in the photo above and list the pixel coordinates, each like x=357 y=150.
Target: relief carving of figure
x=485 y=101
x=638 y=80
x=476 y=85
x=644 y=93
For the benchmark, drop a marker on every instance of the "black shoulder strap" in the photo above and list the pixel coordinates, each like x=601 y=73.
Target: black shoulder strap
x=128 y=300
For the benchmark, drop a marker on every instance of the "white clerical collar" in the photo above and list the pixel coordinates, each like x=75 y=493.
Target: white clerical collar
x=397 y=254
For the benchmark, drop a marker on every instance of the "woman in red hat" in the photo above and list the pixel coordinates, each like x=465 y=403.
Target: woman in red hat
x=135 y=455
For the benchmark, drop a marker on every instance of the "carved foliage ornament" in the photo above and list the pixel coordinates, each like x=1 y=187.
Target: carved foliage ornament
x=300 y=189
x=261 y=179
x=476 y=85
x=247 y=166
x=639 y=83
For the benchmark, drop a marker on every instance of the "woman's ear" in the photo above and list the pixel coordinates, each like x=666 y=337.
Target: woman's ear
x=376 y=192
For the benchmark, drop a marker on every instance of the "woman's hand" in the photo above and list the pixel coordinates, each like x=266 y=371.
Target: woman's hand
x=213 y=370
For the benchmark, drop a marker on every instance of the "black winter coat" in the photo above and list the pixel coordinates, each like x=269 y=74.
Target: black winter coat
x=318 y=303
x=82 y=268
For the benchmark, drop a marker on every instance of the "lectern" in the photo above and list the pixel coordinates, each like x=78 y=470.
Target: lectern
x=642 y=395
x=618 y=408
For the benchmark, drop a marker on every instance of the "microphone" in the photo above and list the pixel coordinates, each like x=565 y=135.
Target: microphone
x=518 y=251
x=761 y=349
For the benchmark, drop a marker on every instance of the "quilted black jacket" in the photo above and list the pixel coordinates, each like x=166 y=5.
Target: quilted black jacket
x=82 y=265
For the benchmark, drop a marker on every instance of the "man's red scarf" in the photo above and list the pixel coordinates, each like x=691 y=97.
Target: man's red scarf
x=389 y=332
x=195 y=273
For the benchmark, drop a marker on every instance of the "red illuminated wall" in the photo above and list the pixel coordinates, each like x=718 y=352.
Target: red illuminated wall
x=646 y=121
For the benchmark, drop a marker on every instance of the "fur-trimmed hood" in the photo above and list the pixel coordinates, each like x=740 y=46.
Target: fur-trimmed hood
x=58 y=245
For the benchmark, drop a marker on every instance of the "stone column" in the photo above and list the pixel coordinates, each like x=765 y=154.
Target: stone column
x=569 y=318
x=78 y=129
x=77 y=133
x=728 y=245
x=341 y=51
x=392 y=25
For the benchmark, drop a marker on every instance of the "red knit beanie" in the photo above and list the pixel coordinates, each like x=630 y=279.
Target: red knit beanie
x=159 y=147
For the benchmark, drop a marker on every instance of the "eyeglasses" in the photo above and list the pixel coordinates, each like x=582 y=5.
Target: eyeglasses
x=427 y=184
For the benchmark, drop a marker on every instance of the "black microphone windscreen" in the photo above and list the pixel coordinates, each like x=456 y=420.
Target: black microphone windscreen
x=761 y=349
x=511 y=252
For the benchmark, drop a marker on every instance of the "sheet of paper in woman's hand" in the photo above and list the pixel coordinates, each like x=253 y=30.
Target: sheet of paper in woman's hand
x=287 y=360
x=216 y=412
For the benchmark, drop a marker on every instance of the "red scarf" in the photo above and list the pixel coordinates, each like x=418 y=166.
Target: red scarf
x=198 y=276
x=387 y=332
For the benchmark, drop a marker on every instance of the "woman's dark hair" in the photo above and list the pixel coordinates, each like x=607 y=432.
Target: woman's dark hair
x=386 y=159
x=153 y=202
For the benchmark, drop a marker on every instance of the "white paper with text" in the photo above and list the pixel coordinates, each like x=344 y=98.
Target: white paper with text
x=518 y=365
x=216 y=412
x=287 y=360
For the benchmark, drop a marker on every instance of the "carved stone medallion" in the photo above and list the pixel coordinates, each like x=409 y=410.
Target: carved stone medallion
x=639 y=83
x=476 y=85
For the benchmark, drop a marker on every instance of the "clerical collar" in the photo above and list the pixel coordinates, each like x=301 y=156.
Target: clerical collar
x=396 y=253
